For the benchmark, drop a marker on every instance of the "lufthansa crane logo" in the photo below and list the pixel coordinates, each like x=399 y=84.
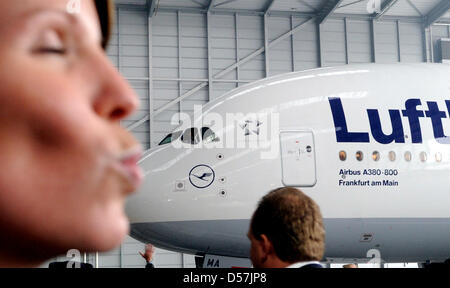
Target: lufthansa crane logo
x=201 y=176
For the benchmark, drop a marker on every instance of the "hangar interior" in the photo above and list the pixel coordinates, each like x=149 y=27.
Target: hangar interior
x=180 y=53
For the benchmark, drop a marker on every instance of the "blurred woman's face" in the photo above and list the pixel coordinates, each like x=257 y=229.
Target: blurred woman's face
x=66 y=166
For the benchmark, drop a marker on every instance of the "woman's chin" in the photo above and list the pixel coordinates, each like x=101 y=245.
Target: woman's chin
x=108 y=233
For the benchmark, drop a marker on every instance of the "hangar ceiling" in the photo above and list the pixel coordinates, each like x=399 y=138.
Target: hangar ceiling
x=428 y=11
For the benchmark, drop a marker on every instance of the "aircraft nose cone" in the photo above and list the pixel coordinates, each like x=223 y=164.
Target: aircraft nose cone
x=138 y=204
x=139 y=207
x=149 y=204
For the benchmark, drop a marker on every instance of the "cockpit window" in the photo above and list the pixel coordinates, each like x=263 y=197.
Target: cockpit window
x=170 y=138
x=191 y=136
x=208 y=135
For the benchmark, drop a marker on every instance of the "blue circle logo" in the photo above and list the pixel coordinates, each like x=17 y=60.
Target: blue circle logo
x=201 y=176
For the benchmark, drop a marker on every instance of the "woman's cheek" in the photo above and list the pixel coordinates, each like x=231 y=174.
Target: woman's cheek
x=71 y=127
x=56 y=109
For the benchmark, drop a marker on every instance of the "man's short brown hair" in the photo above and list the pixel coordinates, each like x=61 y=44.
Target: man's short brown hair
x=293 y=223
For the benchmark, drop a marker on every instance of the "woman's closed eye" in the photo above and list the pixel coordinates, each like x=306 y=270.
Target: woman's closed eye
x=50 y=50
x=50 y=42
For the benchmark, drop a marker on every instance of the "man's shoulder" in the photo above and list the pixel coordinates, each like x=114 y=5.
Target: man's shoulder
x=311 y=266
x=306 y=265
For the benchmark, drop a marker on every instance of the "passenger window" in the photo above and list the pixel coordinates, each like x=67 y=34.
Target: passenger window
x=438 y=157
x=208 y=135
x=408 y=156
x=392 y=156
x=190 y=136
x=170 y=138
x=423 y=156
x=342 y=155
x=376 y=156
x=359 y=156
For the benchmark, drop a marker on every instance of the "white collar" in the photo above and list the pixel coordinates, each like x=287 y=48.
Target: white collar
x=301 y=264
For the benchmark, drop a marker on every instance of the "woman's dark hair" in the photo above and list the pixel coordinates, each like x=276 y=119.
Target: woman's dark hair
x=105 y=10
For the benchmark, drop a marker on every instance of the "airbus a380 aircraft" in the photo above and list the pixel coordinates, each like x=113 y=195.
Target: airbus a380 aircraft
x=369 y=143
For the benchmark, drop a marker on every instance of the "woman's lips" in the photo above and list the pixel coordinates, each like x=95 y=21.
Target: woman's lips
x=127 y=165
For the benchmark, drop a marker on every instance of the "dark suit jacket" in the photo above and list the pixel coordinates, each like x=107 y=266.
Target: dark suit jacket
x=311 y=266
x=63 y=265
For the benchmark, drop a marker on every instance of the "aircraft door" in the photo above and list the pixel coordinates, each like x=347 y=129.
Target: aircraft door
x=298 y=160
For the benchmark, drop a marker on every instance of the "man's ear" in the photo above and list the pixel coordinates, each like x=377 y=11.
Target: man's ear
x=266 y=245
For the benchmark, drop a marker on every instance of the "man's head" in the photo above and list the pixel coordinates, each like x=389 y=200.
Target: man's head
x=286 y=228
x=65 y=161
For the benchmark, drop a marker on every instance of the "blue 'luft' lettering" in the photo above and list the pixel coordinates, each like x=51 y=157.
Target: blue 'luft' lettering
x=411 y=112
x=342 y=134
x=413 y=116
x=436 y=120
x=397 y=134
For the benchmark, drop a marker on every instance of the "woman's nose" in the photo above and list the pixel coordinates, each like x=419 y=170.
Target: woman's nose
x=115 y=100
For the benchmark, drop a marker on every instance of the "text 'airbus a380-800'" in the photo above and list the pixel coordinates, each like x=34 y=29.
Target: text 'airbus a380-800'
x=369 y=143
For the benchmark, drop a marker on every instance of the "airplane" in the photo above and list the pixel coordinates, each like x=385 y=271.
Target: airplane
x=370 y=143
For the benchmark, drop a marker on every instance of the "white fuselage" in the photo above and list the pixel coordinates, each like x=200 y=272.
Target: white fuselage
x=367 y=142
